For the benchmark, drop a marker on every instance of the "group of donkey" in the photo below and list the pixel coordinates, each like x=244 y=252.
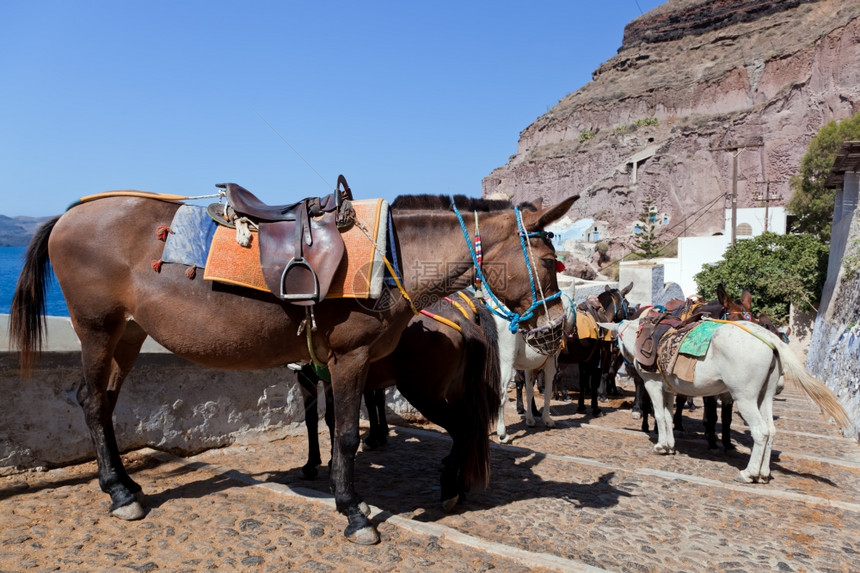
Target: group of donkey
x=101 y=251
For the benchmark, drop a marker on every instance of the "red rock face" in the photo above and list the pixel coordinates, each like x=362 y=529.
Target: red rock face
x=742 y=76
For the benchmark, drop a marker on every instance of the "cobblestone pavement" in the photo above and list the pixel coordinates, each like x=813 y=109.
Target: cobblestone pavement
x=586 y=495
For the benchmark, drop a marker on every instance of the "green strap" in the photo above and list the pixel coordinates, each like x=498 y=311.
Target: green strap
x=320 y=369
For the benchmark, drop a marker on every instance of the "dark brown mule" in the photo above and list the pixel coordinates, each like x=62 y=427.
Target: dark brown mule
x=101 y=253
x=452 y=377
x=593 y=355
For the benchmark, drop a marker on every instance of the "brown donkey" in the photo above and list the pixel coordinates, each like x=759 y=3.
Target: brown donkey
x=101 y=252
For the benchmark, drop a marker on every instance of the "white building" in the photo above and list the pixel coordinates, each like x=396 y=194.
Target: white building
x=695 y=252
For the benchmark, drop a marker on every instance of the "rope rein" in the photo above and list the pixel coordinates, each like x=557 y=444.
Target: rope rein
x=497 y=307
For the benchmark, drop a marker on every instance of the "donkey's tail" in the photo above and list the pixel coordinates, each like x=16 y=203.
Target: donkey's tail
x=795 y=371
x=483 y=382
x=27 y=320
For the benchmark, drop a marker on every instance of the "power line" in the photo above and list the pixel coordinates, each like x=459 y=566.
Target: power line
x=704 y=211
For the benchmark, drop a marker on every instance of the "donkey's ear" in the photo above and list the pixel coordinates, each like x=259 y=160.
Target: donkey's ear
x=722 y=295
x=552 y=214
x=627 y=289
x=746 y=300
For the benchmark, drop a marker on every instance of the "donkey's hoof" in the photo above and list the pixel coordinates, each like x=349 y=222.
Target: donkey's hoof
x=130 y=512
x=449 y=504
x=636 y=415
x=364 y=536
x=744 y=477
x=309 y=472
x=663 y=450
x=550 y=423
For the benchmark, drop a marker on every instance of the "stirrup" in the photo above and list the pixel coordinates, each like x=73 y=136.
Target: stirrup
x=300 y=262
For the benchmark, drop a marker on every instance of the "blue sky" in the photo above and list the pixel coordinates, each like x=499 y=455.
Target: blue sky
x=281 y=97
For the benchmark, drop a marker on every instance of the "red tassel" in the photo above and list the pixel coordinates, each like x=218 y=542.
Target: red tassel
x=162 y=231
x=156 y=265
x=191 y=272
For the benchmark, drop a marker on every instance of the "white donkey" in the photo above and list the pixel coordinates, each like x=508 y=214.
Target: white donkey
x=515 y=354
x=749 y=362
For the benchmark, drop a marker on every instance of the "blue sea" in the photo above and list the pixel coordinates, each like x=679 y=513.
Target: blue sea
x=11 y=262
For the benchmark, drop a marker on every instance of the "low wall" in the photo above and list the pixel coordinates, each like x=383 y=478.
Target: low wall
x=166 y=403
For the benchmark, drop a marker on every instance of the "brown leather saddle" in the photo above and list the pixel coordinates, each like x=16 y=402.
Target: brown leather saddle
x=654 y=328
x=300 y=243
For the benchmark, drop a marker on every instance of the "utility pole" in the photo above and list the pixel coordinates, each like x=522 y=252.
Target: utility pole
x=766 y=199
x=737 y=151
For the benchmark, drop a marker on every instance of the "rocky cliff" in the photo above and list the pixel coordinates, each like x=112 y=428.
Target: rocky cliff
x=695 y=86
x=17 y=231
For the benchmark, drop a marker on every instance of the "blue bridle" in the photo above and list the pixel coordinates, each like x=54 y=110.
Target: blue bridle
x=497 y=307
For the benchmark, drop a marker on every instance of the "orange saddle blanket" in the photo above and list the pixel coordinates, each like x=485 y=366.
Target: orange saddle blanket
x=361 y=271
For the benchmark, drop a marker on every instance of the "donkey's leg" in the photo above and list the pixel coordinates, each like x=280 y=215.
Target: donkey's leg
x=548 y=378
x=329 y=418
x=678 y=418
x=594 y=382
x=530 y=395
x=646 y=408
x=377 y=437
x=453 y=482
x=307 y=379
x=710 y=419
x=766 y=410
x=601 y=388
x=506 y=366
x=759 y=431
x=638 y=392
x=107 y=355
x=349 y=373
x=519 y=385
x=584 y=384
x=662 y=403
x=559 y=384
x=774 y=382
x=726 y=404
x=125 y=355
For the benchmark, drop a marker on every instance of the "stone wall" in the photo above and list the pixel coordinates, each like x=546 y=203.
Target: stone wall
x=166 y=403
x=834 y=350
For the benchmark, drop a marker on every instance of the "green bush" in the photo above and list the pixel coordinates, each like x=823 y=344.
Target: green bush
x=779 y=270
x=602 y=247
x=812 y=202
x=646 y=121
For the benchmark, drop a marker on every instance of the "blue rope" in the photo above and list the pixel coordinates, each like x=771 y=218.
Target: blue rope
x=497 y=307
x=522 y=234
